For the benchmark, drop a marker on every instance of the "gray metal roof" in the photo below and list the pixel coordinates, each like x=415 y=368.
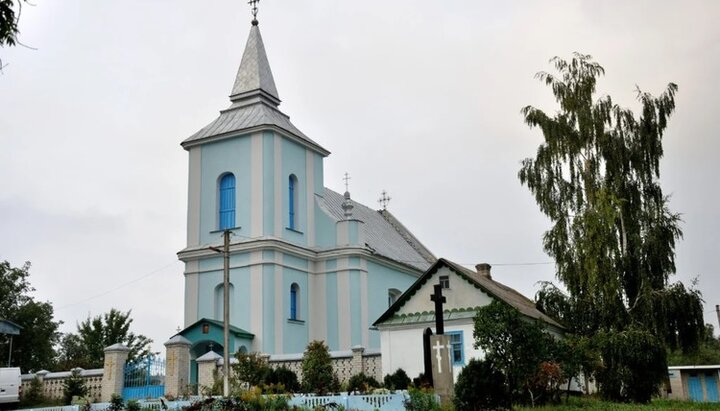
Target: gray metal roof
x=254 y=100
x=254 y=72
x=382 y=232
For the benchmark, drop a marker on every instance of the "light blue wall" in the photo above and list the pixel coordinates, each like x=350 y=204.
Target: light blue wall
x=217 y=158
x=268 y=183
x=332 y=309
x=293 y=162
x=325 y=232
x=295 y=333
x=211 y=275
x=356 y=325
x=380 y=279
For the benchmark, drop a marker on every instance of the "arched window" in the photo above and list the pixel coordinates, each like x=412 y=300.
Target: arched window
x=294 y=302
x=226 y=202
x=219 y=296
x=292 y=201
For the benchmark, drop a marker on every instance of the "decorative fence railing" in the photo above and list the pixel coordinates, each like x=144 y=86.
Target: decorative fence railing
x=381 y=402
x=145 y=379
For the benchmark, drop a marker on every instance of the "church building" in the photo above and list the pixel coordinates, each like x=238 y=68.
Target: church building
x=306 y=263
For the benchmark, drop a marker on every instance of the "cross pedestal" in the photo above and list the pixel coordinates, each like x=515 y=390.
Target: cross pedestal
x=442 y=371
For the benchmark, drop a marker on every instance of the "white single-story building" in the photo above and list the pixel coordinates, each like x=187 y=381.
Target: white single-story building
x=402 y=325
x=694 y=382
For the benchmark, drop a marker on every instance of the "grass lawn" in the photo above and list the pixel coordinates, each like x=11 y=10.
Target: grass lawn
x=595 y=404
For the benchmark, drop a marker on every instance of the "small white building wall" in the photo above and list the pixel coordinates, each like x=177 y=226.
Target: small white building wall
x=460 y=295
x=403 y=347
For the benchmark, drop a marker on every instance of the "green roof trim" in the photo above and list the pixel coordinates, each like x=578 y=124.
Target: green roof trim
x=238 y=332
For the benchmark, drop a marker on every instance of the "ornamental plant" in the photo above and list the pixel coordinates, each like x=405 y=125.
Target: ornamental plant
x=318 y=374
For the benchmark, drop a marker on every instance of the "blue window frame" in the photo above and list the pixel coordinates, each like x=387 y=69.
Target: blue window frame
x=226 y=202
x=456 y=343
x=294 y=291
x=292 y=202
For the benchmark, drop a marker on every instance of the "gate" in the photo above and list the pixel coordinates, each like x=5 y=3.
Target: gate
x=144 y=379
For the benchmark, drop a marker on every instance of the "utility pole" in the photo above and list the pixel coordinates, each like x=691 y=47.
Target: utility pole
x=226 y=311
x=717 y=311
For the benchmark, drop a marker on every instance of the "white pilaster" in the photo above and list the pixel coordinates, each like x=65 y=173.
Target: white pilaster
x=256 y=299
x=310 y=195
x=279 y=302
x=191 y=292
x=343 y=298
x=193 y=217
x=365 y=325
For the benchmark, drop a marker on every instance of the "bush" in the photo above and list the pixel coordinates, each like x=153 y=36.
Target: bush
x=74 y=385
x=251 y=368
x=285 y=377
x=481 y=387
x=397 y=381
x=422 y=400
x=116 y=403
x=132 y=405
x=34 y=394
x=633 y=365
x=362 y=383
x=318 y=375
x=421 y=381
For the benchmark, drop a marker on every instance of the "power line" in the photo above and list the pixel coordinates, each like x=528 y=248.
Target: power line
x=119 y=286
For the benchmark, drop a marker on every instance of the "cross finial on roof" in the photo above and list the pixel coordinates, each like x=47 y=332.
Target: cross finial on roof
x=347 y=179
x=384 y=199
x=254 y=3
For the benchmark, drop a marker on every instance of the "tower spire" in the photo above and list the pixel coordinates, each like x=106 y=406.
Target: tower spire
x=254 y=78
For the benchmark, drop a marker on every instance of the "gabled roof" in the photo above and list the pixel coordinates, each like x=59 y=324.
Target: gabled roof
x=254 y=100
x=238 y=332
x=383 y=233
x=9 y=328
x=493 y=288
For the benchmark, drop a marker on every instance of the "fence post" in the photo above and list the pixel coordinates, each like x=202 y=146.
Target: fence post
x=207 y=365
x=114 y=370
x=177 y=365
x=357 y=360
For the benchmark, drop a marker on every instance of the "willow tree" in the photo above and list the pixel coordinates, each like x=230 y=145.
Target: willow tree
x=596 y=176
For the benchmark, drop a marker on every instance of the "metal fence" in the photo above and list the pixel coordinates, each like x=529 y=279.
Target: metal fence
x=145 y=379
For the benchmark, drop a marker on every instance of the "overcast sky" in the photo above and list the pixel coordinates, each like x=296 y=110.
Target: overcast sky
x=420 y=98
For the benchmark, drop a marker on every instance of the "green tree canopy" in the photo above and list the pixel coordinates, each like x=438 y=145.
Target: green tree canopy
x=86 y=348
x=9 y=17
x=33 y=349
x=596 y=176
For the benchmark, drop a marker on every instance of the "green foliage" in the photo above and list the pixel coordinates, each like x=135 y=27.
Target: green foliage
x=593 y=404
x=250 y=400
x=116 y=403
x=34 y=394
x=318 y=374
x=285 y=377
x=132 y=405
x=633 y=365
x=514 y=345
x=74 y=385
x=422 y=400
x=86 y=348
x=362 y=383
x=33 y=349
x=708 y=352
x=251 y=368
x=481 y=387
x=397 y=381
x=597 y=177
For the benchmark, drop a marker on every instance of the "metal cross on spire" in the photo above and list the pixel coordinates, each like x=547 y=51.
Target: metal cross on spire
x=254 y=3
x=347 y=179
x=384 y=199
